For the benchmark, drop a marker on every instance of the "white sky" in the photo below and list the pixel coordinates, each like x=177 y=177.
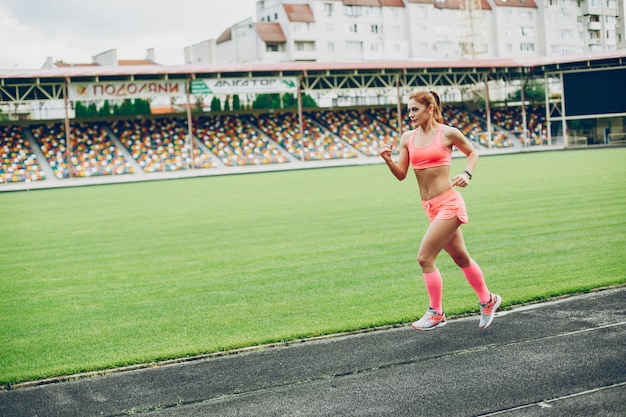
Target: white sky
x=75 y=30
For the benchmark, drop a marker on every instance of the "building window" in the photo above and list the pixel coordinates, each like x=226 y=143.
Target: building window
x=328 y=9
x=305 y=46
x=375 y=29
x=527 y=31
x=376 y=47
x=527 y=47
x=353 y=28
x=525 y=15
x=594 y=36
x=330 y=47
x=352 y=10
x=372 y=11
x=354 y=48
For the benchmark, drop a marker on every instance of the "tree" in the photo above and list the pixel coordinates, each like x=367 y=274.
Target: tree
x=236 y=102
x=534 y=92
x=143 y=106
x=308 y=101
x=128 y=107
x=80 y=110
x=105 y=110
x=215 y=104
x=266 y=101
x=290 y=101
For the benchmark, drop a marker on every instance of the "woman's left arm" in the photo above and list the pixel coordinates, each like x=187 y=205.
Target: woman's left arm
x=457 y=139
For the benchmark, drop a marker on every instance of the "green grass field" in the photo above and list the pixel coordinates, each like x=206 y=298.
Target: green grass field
x=105 y=276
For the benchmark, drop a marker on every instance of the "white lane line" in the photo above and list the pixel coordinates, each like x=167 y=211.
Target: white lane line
x=547 y=403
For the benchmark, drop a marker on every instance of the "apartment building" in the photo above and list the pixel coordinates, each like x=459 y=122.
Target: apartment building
x=421 y=30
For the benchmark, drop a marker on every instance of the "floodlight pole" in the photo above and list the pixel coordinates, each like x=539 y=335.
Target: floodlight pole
x=399 y=102
x=68 y=134
x=546 y=94
x=190 y=165
x=488 y=112
x=524 y=123
x=300 y=121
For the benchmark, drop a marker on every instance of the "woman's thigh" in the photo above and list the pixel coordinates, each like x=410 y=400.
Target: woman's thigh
x=437 y=237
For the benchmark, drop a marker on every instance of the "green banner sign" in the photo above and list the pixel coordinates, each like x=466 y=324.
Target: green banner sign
x=200 y=87
x=254 y=85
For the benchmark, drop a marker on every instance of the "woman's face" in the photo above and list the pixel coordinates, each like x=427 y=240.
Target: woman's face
x=418 y=112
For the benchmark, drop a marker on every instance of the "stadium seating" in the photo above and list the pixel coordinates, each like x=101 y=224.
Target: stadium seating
x=19 y=163
x=316 y=144
x=235 y=141
x=93 y=152
x=472 y=126
x=361 y=129
x=510 y=119
x=159 y=144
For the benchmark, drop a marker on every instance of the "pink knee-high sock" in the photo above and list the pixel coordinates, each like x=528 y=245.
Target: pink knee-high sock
x=474 y=276
x=434 y=286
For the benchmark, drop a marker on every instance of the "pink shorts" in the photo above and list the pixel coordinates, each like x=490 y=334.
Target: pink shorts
x=446 y=206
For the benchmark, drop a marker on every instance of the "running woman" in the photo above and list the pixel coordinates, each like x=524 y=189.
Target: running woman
x=428 y=148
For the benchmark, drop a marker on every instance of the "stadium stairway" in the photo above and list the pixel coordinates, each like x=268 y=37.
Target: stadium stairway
x=124 y=151
x=337 y=137
x=283 y=151
x=516 y=143
x=43 y=162
x=199 y=144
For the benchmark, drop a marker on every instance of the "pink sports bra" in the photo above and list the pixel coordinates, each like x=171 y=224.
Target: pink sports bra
x=429 y=156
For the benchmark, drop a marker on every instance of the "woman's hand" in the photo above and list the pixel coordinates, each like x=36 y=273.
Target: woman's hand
x=461 y=180
x=385 y=152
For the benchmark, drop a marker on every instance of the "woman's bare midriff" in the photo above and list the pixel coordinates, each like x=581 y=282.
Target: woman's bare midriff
x=433 y=181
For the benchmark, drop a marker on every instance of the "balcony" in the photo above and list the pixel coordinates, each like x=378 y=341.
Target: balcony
x=594 y=26
x=594 y=42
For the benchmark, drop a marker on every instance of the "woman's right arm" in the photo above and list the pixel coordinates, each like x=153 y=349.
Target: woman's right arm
x=399 y=169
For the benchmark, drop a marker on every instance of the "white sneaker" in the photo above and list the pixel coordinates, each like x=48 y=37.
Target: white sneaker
x=430 y=320
x=488 y=311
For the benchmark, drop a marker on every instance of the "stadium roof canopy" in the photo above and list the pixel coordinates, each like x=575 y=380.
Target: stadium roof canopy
x=19 y=85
